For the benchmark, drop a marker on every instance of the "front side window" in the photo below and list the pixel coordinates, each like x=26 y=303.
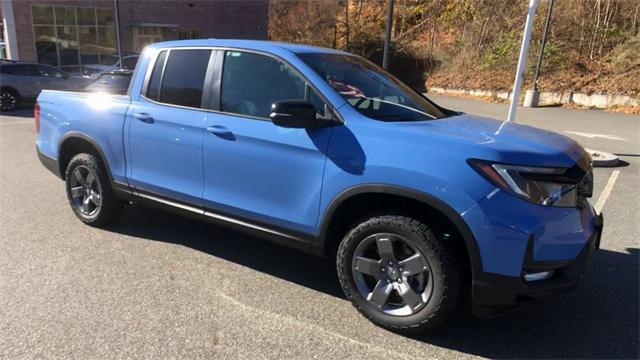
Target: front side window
x=371 y=90
x=252 y=82
x=183 y=79
x=50 y=71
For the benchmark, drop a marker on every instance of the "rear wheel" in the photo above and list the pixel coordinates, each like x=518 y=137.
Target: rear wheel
x=398 y=274
x=89 y=191
x=8 y=99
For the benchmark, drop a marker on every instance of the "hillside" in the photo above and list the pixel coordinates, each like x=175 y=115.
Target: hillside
x=593 y=46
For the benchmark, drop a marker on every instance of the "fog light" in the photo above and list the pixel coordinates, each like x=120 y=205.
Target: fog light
x=544 y=275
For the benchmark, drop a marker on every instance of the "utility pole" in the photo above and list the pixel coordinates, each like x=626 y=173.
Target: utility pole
x=117 y=18
x=387 y=35
x=544 y=42
x=524 y=49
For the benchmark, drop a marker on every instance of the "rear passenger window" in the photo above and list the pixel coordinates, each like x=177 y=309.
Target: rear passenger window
x=30 y=70
x=252 y=82
x=24 y=70
x=183 y=78
x=153 y=88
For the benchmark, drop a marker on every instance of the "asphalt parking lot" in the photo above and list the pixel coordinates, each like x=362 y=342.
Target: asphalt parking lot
x=155 y=285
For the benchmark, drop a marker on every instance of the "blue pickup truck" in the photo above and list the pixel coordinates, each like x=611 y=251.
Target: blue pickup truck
x=422 y=208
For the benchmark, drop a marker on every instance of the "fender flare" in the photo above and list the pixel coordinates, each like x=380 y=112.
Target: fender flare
x=11 y=88
x=429 y=200
x=78 y=135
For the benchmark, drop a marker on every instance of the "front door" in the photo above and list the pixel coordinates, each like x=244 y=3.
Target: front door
x=253 y=169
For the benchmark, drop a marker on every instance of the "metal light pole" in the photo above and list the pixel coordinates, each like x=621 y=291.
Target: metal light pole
x=524 y=49
x=387 y=35
x=117 y=18
x=544 y=42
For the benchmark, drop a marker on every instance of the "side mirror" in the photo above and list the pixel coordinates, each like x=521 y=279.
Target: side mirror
x=297 y=114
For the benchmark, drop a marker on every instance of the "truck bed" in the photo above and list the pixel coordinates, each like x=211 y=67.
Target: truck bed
x=99 y=117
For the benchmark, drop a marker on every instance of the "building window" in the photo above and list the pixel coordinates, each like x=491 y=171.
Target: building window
x=70 y=36
x=186 y=34
x=145 y=35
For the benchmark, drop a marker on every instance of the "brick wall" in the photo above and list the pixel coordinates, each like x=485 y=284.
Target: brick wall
x=219 y=19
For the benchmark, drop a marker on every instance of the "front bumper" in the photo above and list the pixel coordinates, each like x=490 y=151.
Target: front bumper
x=494 y=294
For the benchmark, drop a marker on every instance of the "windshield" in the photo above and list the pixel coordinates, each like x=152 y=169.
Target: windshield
x=371 y=90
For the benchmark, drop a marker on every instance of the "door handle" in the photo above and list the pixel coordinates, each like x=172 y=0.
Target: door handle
x=144 y=117
x=218 y=130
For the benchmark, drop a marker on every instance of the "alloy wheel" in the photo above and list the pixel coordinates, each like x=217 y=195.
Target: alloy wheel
x=85 y=190
x=8 y=101
x=392 y=274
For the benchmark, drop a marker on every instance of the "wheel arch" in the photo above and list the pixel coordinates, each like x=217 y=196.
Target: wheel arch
x=73 y=143
x=329 y=235
x=11 y=88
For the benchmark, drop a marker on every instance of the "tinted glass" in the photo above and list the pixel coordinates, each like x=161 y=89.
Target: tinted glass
x=371 y=90
x=183 y=78
x=252 y=82
x=22 y=70
x=317 y=101
x=50 y=71
x=130 y=62
x=153 y=89
x=7 y=69
x=115 y=84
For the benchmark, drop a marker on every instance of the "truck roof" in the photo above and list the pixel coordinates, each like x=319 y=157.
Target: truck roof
x=263 y=45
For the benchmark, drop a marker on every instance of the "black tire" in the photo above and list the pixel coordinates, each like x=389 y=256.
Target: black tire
x=442 y=269
x=9 y=100
x=102 y=206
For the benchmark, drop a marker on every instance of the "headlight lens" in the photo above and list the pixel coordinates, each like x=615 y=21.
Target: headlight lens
x=536 y=184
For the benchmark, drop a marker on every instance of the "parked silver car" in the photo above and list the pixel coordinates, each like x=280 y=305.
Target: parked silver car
x=21 y=82
x=109 y=64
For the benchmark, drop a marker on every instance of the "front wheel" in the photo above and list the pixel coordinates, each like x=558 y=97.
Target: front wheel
x=396 y=272
x=89 y=191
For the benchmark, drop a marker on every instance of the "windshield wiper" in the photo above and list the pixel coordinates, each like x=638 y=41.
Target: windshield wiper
x=397 y=117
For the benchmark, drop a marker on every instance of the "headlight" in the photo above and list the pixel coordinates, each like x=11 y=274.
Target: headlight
x=544 y=186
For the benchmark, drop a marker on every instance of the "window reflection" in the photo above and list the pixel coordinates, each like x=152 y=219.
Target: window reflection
x=70 y=36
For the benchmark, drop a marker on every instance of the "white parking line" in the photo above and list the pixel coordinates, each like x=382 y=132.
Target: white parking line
x=593 y=136
x=607 y=191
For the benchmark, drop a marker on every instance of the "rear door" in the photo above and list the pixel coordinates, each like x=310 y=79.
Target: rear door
x=255 y=171
x=165 y=128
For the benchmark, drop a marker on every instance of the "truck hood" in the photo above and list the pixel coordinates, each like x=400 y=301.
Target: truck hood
x=507 y=142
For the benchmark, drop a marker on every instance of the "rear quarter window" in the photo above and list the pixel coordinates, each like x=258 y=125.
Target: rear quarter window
x=153 y=88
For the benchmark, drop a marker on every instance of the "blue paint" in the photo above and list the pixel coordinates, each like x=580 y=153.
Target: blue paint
x=288 y=177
